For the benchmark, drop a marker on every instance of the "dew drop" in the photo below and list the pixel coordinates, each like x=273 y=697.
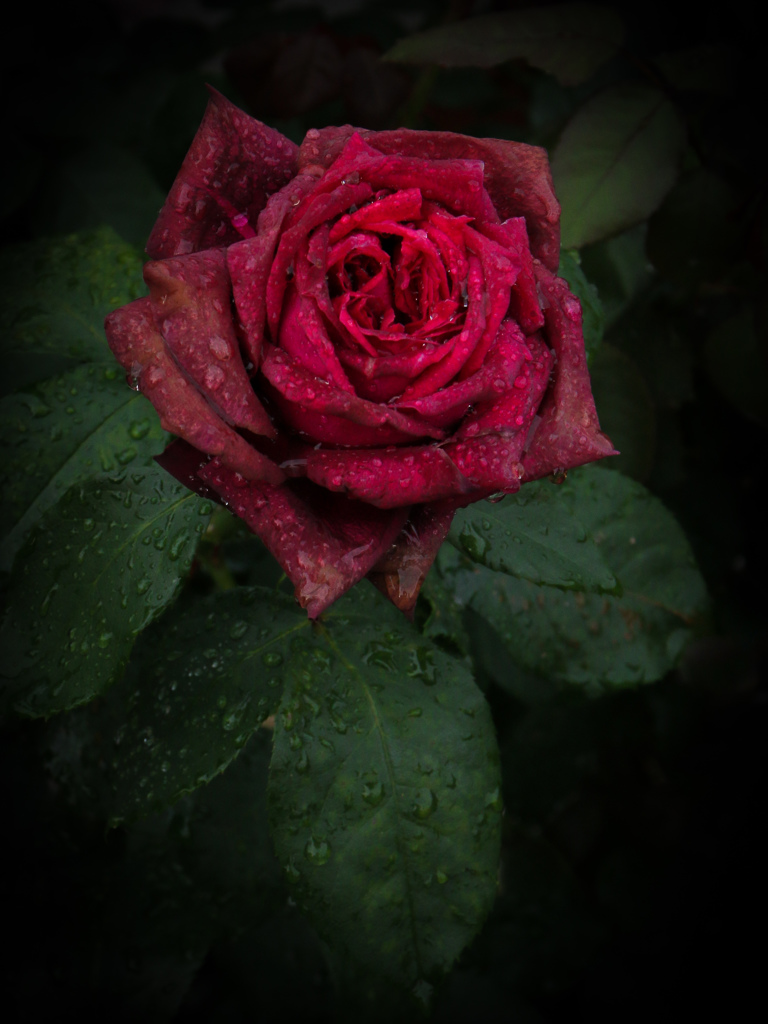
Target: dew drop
x=373 y=793
x=424 y=804
x=317 y=851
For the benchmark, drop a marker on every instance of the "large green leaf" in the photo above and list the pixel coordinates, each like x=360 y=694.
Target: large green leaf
x=199 y=684
x=536 y=536
x=64 y=431
x=598 y=641
x=384 y=798
x=616 y=160
x=53 y=300
x=94 y=572
x=570 y=41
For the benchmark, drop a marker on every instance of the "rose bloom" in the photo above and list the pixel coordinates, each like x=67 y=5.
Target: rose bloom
x=355 y=337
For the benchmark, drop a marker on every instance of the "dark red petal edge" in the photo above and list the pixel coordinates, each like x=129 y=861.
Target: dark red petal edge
x=568 y=433
x=234 y=163
x=517 y=176
x=140 y=350
x=324 y=542
x=402 y=570
x=192 y=307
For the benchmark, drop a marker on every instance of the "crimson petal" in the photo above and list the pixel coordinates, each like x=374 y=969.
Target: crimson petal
x=569 y=433
x=516 y=175
x=497 y=375
x=191 y=305
x=324 y=542
x=139 y=348
x=389 y=477
x=330 y=415
x=234 y=163
x=250 y=263
x=402 y=570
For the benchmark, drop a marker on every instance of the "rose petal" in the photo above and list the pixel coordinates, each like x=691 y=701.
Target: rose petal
x=402 y=205
x=191 y=305
x=501 y=369
x=304 y=337
x=140 y=349
x=569 y=432
x=250 y=263
x=499 y=273
x=400 y=573
x=462 y=345
x=490 y=462
x=235 y=162
x=325 y=543
x=388 y=477
x=184 y=462
x=457 y=184
x=327 y=414
x=516 y=175
x=321 y=208
x=524 y=300
x=516 y=408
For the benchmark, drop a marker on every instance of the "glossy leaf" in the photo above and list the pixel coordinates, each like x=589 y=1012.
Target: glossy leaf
x=198 y=686
x=95 y=571
x=536 y=536
x=54 y=297
x=595 y=641
x=615 y=162
x=570 y=41
x=64 y=431
x=383 y=794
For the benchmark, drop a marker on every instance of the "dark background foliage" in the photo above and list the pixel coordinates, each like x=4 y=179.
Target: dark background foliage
x=632 y=866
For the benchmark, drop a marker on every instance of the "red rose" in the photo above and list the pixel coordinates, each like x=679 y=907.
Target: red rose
x=357 y=337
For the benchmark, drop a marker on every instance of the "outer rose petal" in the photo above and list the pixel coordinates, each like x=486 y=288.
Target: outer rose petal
x=389 y=477
x=517 y=176
x=330 y=415
x=496 y=376
x=191 y=305
x=324 y=542
x=569 y=432
x=250 y=262
x=139 y=348
x=402 y=570
x=235 y=162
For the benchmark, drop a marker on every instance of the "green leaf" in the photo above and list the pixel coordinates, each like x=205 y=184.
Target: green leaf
x=593 y=316
x=199 y=685
x=616 y=160
x=569 y=41
x=598 y=642
x=383 y=794
x=626 y=410
x=64 y=431
x=536 y=536
x=95 y=571
x=53 y=300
